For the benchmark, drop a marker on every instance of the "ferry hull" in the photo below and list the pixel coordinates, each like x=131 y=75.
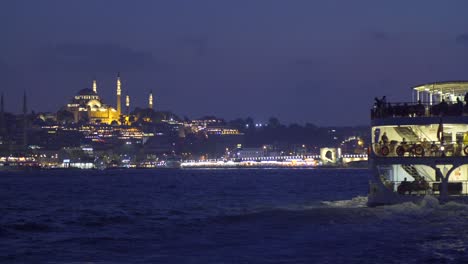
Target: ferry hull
x=379 y=194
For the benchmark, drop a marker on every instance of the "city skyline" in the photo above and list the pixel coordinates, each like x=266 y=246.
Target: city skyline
x=321 y=63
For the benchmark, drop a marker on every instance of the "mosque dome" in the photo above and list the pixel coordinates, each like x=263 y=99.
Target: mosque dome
x=86 y=91
x=94 y=104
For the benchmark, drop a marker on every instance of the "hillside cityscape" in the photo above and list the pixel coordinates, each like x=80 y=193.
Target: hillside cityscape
x=88 y=133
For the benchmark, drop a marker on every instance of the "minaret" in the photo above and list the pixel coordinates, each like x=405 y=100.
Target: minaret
x=119 y=91
x=150 y=100
x=94 y=86
x=127 y=103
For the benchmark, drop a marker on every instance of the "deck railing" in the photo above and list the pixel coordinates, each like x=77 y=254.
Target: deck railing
x=402 y=109
x=420 y=149
x=458 y=188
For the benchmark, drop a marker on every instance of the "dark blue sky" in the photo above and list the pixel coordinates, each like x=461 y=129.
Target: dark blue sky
x=303 y=61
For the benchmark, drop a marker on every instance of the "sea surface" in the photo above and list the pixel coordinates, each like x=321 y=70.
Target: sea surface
x=219 y=216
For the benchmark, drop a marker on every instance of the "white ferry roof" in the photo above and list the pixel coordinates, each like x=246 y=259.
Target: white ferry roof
x=451 y=87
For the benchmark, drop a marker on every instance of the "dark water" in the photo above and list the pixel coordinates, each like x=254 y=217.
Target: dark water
x=219 y=216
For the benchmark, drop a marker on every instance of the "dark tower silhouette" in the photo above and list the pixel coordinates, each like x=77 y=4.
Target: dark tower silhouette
x=2 y=117
x=25 y=121
x=3 y=126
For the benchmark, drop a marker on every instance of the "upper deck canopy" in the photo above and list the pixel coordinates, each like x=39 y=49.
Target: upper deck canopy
x=451 y=87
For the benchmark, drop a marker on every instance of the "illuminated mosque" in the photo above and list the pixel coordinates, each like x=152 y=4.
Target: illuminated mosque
x=88 y=106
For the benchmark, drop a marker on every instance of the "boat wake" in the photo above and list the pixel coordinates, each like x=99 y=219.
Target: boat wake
x=356 y=202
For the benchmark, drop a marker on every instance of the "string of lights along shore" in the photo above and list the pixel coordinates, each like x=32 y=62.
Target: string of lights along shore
x=88 y=105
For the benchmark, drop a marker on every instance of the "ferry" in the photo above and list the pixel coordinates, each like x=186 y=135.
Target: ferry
x=18 y=164
x=19 y=167
x=420 y=147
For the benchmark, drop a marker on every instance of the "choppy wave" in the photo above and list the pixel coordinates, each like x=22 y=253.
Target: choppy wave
x=429 y=208
x=427 y=205
x=30 y=227
x=99 y=218
x=211 y=216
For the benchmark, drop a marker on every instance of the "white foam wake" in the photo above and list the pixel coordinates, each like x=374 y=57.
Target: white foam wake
x=356 y=202
x=428 y=207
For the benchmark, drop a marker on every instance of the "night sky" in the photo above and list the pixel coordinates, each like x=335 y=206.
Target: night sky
x=321 y=62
